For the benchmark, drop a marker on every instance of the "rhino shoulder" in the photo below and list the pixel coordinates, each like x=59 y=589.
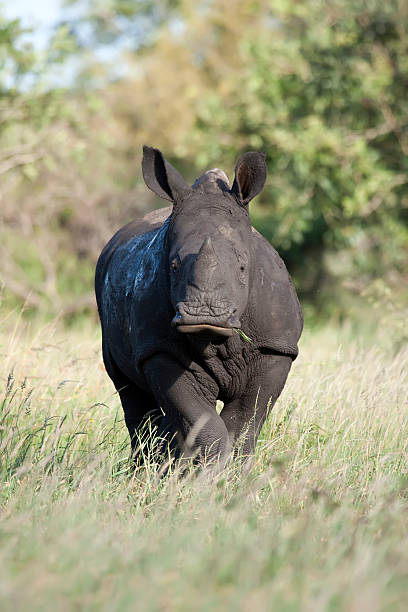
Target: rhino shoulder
x=273 y=304
x=137 y=227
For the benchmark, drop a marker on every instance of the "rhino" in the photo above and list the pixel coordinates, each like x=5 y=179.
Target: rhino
x=196 y=306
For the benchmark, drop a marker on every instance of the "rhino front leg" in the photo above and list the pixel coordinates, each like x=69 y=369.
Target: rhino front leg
x=245 y=416
x=188 y=399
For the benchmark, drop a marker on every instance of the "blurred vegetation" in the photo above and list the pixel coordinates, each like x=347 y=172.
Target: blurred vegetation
x=320 y=87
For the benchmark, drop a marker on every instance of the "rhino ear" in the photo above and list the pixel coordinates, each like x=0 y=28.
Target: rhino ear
x=161 y=177
x=250 y=176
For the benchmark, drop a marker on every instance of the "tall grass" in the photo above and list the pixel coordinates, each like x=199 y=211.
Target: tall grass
x=319 y=523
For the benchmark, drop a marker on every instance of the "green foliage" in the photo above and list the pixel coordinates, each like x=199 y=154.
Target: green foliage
x=320 y=87
x=46 y=136
x=113 y=21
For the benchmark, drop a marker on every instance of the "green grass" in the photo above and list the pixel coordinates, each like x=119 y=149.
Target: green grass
x=319 y=523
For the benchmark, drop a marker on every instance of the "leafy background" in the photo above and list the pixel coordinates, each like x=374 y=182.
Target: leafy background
x=320 y=87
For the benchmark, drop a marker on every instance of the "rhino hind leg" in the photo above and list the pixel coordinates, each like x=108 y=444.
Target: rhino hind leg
x=139 y=407
x=141 y=415
x=244 y=417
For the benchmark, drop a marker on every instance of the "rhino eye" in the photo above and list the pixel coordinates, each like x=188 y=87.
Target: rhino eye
x=242 y=267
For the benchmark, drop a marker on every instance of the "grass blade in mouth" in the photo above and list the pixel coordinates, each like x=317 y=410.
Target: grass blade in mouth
x=243 y=335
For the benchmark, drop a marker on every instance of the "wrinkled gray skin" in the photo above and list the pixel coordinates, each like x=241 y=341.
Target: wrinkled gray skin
x=173 y=288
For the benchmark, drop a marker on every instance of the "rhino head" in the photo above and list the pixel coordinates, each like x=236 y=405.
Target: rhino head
x=209 y=241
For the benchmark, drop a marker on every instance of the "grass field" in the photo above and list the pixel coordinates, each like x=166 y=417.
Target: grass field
x=319 y=523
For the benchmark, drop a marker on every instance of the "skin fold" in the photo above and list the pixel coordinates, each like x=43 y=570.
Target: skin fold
x=195 y=307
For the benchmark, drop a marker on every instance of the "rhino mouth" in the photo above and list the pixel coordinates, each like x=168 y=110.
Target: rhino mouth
x=187 y=322
x=202 y=328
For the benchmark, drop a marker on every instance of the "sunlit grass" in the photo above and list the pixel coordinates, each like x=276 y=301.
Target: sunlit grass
x=319 y=523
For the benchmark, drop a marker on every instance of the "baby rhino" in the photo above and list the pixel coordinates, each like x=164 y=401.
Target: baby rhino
x=196 y=306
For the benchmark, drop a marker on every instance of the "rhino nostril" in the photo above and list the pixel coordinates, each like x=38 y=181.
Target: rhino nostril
x=233 y=320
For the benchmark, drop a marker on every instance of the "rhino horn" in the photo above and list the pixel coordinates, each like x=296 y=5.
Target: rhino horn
x=205 y=265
